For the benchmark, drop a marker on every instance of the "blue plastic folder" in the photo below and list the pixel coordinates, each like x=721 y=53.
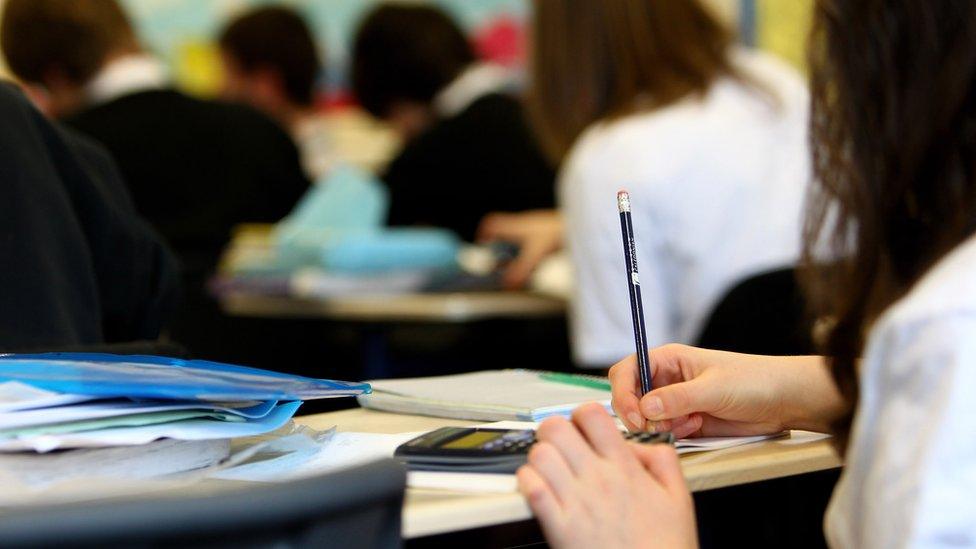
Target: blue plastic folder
x=152 y=377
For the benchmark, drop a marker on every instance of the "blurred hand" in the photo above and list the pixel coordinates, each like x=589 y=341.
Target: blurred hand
x=538 y=233
x=588 y=487
x=699 y=392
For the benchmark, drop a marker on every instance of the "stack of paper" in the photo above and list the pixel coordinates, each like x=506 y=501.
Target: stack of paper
x=75 y=401
x=523 y=395
x=347 y=449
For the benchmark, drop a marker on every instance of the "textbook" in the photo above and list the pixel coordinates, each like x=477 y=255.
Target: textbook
x=496 y=395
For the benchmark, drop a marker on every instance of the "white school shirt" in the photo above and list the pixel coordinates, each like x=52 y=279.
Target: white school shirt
x=909 y=477
x=717 y=185
x=126 y=75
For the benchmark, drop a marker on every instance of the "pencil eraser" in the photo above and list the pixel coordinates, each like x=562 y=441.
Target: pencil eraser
x=623 y=201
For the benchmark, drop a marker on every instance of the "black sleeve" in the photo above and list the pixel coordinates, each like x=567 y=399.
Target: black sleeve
x=412 y=182
x=279 y=169
x=78 y=266
x=137 y=276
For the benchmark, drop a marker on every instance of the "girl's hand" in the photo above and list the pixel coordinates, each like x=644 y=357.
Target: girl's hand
x=538 y=233
x=590 y=488
x=699 y=392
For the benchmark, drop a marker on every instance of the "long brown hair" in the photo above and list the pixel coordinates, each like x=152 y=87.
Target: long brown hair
x=601 y=59
x=894 y=146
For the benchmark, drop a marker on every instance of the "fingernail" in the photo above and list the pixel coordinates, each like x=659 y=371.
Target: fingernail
x=653 y=407
x=636 y=420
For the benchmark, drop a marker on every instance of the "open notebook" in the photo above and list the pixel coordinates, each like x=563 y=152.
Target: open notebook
x=496 y=395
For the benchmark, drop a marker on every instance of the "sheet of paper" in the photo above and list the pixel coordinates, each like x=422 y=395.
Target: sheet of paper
x=15 y=396
x=190 y=429
x=115 y=408
x=152 y=460
x=708 y=444
x=133 y=420
x=802 y=437
x=340 y=451
x=114 y=472
x=683 y=446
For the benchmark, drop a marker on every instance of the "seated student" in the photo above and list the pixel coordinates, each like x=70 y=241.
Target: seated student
x=79 y=266
x=893 y=131
x=709 y=138
x=468 y=148
x=194 y=168
x=271 y=62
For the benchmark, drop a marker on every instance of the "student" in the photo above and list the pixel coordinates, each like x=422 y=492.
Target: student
x=893 y=118
x=194 y=168
x=468 y=148
x=79 y=266
x=709 y=138
x=271 y=62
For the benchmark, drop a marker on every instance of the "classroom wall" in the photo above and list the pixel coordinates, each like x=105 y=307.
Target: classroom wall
x=182 y=31
x=784 y=28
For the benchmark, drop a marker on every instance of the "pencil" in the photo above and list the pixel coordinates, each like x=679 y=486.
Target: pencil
x=633 y=285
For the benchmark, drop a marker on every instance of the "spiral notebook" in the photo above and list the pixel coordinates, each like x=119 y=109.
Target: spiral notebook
x=495 y=395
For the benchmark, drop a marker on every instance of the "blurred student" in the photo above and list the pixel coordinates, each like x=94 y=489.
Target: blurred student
x=194 y=168
x=79 y=266
x=894 y=115
x=468 y=149
x=270 y=61
x=709 y=138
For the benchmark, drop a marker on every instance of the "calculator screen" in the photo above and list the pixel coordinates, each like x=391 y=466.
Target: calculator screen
x=473 y=440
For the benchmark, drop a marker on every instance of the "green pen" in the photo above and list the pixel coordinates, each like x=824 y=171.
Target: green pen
x=592 y=382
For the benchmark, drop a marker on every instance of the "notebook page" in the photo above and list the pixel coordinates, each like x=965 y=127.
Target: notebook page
x=516 y=389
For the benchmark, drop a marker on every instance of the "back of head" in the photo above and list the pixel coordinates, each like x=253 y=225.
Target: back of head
x=894 y=142
x=276 y=38
x=406 y=53
x=600 y=59
x=68 y=38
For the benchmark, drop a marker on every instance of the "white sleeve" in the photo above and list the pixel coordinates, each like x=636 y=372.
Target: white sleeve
x=600 y=319
x=910 y=479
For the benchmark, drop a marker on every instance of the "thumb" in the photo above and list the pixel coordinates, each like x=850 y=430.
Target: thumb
x=677 y=400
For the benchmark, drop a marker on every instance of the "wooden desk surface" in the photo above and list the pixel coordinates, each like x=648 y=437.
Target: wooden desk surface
x=428 y=512
x=427 y=307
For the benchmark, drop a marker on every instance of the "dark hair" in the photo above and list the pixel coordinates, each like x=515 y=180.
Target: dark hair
x=600 y=59
x=276 y=38
x=72 y=36
x=406 y=53
x=894 y=143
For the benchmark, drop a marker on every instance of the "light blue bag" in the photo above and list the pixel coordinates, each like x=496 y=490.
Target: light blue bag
x=338 y=226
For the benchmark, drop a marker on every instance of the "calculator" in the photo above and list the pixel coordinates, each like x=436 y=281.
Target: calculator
x=482 y=450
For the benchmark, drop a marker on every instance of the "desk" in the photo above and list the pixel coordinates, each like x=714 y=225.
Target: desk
x=428 y=512
x=375 y=317
x=427 y=307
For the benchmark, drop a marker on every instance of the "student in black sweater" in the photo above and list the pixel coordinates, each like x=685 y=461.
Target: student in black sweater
x=468 y=148
x=194 y=168
x=79 y=266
